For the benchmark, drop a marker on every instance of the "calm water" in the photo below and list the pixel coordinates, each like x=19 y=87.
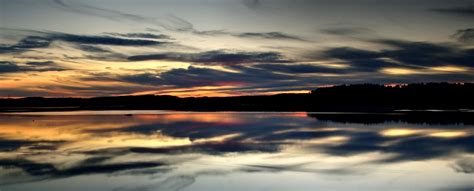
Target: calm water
x=157 y=150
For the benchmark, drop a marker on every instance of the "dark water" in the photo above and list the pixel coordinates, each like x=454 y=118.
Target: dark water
x=155 y=150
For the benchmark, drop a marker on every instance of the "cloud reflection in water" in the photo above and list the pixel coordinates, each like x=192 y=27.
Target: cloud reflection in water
x=196 y=151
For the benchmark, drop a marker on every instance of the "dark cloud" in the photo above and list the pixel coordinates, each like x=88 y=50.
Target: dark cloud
x=8 y=67
x=300 y=69
x=213 y=57
x=11 y=145
x=144 y=78
x=7 y=145
x=93 y=49
x=346 y=31
x=46 y=169
x=462 y=11
x=11 y=67
x=295 y=168
x=84 y=42
x=212 y=148
x=270 y=35
x=25 y=44
x=348 y=53
x=211 y=32
x=45 y=63
x=33 y=42
x=428 y=54
x=195 y=77
x=141 y=35
x=256 y=78
x=105 y=168
x=464 y=35
x=360 y=60
x=404 y=53
x=299 y=135
x=103 y=40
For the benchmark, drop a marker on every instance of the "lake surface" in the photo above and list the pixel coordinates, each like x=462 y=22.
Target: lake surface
x=161 y=150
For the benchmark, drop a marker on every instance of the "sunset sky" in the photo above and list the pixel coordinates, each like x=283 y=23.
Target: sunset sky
x=85 y=48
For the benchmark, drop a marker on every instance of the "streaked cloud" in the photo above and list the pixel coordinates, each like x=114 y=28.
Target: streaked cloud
x=346 y=31
x=25 y=44
x=103 y=40
x=140 y=35
x=11 y=67
x=213 y=57
x=269 y=35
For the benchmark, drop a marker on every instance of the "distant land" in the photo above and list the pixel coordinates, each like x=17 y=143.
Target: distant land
x=342 y=98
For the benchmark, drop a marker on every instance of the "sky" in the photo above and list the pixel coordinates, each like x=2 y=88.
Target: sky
x=88 y=48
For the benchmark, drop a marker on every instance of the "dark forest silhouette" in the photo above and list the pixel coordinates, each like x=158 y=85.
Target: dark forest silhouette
x=347 y=98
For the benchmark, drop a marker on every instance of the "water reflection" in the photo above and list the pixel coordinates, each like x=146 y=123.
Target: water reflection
x=156 y=150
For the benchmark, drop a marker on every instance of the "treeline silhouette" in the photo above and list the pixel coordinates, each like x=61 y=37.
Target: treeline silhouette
x=347 y=98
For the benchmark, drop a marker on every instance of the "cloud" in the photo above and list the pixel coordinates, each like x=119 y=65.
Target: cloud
x=346 y=31
x=83 y=41
x=464 y=35
x=11 y=145
x=196 y=77
x=252 y=4
x=103 y=40
x=7 y=145
x=249 y=79
x=405 y=54
x=301 y=69
x=269 y=35
x=267 y=77
x=359 y=59
x=33 y=42
x=49 y=170
x=141 y=35
x=171 y=22
x=91 y=48
x=428 y=54
x=40 y=64
x=213 y=57
x=8 y=67
x=462 y=11
x=11 y=67
x=25 y=44
x=212 y=148
x=103 y=13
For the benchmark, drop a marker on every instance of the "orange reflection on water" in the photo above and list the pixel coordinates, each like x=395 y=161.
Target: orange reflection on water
x=114 y=140
x=448 y=134
x=399 y=132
